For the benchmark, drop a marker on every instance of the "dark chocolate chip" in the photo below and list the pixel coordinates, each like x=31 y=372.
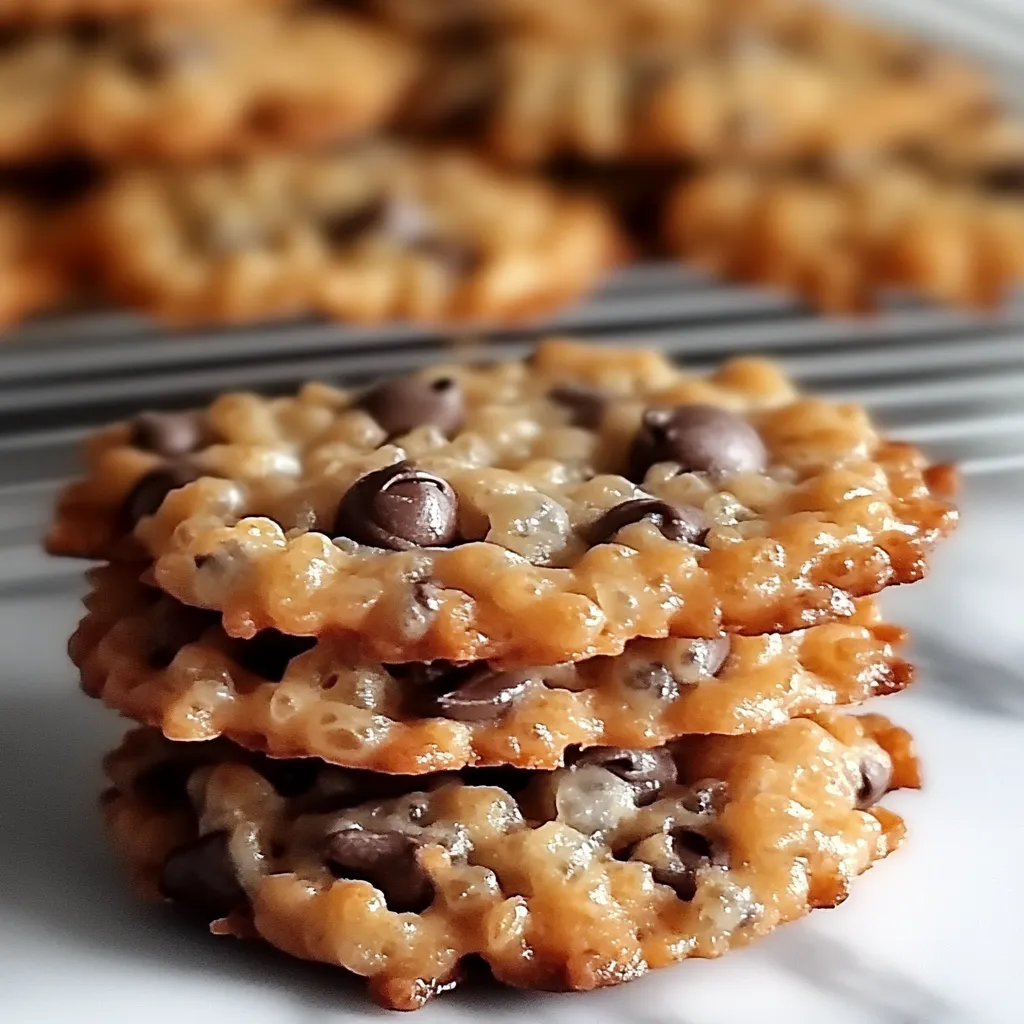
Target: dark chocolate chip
x=164 y=785
x=676 y=522
x=168 y=433
x=1005 y=180
x=654 y=679
x=200 y=877
x=690 y=852
x=387 y=860
x=172 y=625
x=289 y=776
x=478 y=694
x=647 y=771
x=150 y=58
x=706 y=797
x=586 y=405
x=875 y=777
x=402 y=404
x=399 y=508
x=349 y=226
x=269 y=652
x=456 y=257
x=146 y=497
x=701 y=438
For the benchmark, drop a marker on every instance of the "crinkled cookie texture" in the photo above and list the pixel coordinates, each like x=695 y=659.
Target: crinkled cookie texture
x=839 y=239
x=217 y=82
x=377 y=232
x=171 y=666
x=746 y=96
x=576 y=879
x=526 y=512
x=31 y=274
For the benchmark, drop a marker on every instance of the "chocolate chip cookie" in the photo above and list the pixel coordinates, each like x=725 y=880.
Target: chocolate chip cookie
x=216 y=82
x=575 y=879
x=839 y=236
x=172 y=666
x=377 y=232
x=525 y=512
x=747 y=96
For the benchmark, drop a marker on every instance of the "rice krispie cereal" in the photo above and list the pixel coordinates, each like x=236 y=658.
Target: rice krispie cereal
x=525 y=512
x=217 y=82
x=529 y=100
x=377 y=232
x=838 y=237
x=575 y=879
x=172 y=666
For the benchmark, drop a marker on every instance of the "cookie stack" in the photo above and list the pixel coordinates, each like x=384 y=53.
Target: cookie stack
x=535 y=663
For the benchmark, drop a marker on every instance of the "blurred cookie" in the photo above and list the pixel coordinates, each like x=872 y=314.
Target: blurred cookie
x=373 y=233
x=179 y=88
x=839 y=238
x=575 y=879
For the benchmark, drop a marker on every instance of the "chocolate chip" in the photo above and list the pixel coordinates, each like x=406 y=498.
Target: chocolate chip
x=146 y=497
x=387 y=860
x=399 y=508
x=269 y=652
x=654 y=679
x=349 y=226
x=586 y=405
x=290 y=777
x=168 y=433
x=150 y=58
x=478 y=694
x=647 y=771
x=200 y=877
x=1005 y=180
x=706 y=797
x=402 y=404
x=676 y=522
x=173 y=625
x=690 y=852
x=456 y=257
x=164 y=785
x=875 y=777
x=701 y=438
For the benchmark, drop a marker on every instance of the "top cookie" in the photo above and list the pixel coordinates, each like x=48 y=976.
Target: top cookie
x=167 y=86
x=553 y=508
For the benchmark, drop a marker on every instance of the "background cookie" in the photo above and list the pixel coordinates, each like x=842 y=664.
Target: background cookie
x=380 y=231
x=548 y=878
x=211 y=84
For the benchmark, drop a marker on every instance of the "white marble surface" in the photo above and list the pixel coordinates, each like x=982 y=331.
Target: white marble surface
x=932 y=935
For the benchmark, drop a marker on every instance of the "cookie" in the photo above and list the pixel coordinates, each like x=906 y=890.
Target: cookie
x=838 y=238
x=29 y=12
x=525 y=512
x=172 y=667
x=215 y=83
x=530 y=100
x=576 y=879
x=31 y=275
x=377 y=232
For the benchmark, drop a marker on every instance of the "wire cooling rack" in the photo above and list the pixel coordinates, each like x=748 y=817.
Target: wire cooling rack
x=953 y=382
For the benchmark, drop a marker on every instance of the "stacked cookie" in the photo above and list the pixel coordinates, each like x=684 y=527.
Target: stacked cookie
x=243 y=159
x=535 y=662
